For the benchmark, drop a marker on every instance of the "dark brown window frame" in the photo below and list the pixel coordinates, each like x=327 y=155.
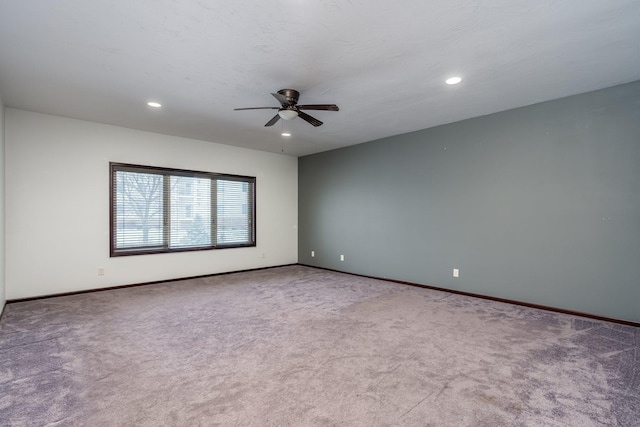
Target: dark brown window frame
x=166 y=173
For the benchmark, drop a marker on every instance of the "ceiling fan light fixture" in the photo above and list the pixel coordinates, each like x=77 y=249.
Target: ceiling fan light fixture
x=288 y=114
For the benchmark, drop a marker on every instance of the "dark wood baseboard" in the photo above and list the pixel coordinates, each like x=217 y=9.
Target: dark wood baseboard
x=508 y=301
x=452 y=291
x=110 y=288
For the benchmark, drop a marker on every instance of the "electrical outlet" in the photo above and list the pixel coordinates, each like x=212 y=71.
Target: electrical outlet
x=456 y=272
x=264 y=255
x=313 y=254
x=341 y=257
x=100 y=271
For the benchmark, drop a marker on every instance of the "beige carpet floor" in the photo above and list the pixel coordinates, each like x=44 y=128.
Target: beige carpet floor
x=298 y=346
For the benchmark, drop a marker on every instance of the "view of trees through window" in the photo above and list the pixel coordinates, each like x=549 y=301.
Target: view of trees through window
x=163 y=210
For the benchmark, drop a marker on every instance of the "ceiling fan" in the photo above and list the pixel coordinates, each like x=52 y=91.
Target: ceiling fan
x=289 y=108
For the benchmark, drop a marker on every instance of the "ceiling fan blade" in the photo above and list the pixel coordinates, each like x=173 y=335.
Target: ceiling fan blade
x=308 y=118
x=326 y=107
x=273 y=120
x=281 y=99
x=257 y=108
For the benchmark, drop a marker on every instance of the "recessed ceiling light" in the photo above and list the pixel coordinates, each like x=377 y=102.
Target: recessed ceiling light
x=286 y=134
x=453 y=80
x=154 y=104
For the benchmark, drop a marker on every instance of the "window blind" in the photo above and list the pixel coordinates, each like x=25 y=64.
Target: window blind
x=164 y=210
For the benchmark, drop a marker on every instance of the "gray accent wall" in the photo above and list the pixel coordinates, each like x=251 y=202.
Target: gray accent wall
x=2 y=229
x=539 y=204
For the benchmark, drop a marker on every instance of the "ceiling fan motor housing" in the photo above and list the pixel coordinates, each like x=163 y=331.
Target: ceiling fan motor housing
x=291 y=95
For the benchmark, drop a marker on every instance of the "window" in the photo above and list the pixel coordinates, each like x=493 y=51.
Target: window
x=157 y=210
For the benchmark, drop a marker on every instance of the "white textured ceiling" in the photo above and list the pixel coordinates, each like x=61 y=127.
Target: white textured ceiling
x=382 y=62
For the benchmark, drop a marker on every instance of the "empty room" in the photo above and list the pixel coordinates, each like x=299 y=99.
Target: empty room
x=319 y=213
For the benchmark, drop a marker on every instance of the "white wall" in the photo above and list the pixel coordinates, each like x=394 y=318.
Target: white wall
x=57 y=198
x=2 y=204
